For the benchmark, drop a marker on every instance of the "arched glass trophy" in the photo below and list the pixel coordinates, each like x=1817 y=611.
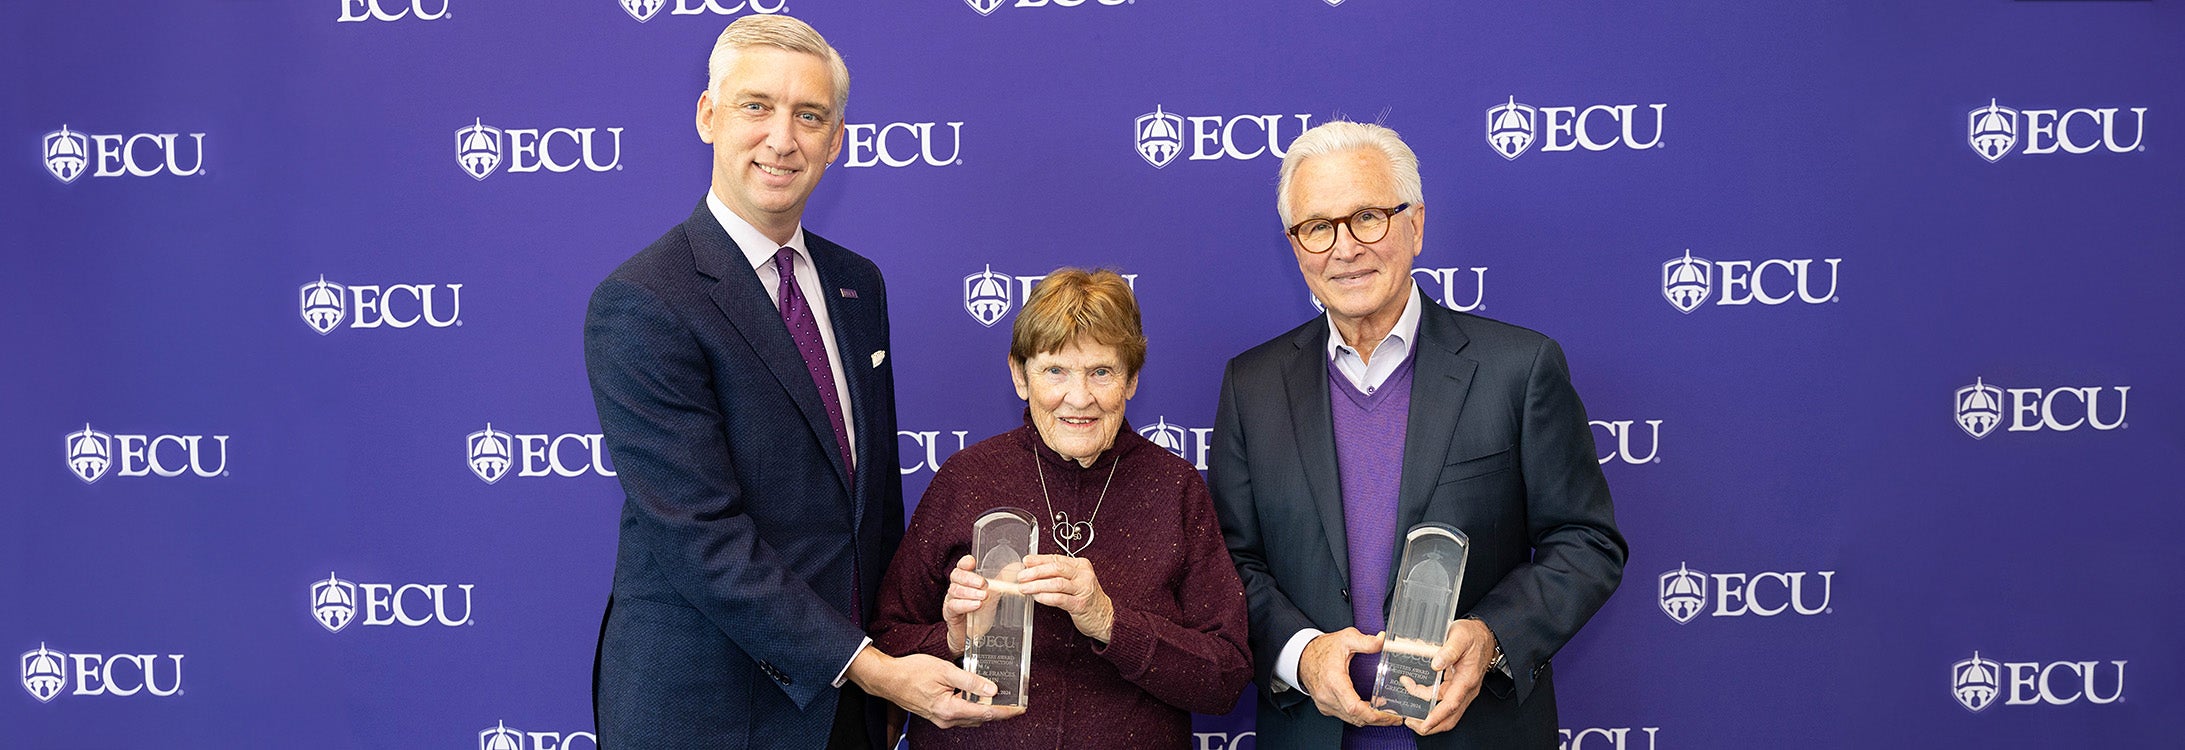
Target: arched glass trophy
x=998 y=645
x=1425 y=602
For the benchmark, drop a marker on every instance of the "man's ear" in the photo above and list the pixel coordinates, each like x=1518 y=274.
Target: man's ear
x=834 y=148
x=705 y=117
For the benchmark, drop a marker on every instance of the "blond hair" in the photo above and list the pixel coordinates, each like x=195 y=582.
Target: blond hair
x=780 y=32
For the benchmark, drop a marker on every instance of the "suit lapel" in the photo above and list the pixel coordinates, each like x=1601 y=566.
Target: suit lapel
x=1440 y=379
x=1313 y=425
x=738 y=294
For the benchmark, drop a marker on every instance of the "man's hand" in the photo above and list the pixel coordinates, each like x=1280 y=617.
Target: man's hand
x=927 y=687
x=1463 y=661
x=1068 y=583
x=966 y=596
x=1324 y=667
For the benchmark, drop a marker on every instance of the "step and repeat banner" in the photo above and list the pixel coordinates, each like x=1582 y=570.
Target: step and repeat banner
x=1872 y=306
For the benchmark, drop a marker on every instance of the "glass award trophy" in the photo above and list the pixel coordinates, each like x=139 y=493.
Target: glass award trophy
x=998 y=643
x=1425 y=602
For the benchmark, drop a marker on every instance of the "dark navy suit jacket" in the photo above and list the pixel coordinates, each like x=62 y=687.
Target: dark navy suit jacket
x=1496 y=444
x=742 y=538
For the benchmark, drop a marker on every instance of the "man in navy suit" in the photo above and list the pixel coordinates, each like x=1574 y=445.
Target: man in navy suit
x=1336 y=438
x=740 y=368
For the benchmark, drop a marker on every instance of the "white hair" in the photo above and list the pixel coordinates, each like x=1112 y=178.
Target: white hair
x=781 y=32
x=1343 y=136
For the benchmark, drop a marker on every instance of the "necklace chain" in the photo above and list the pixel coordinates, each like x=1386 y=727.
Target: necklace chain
x=1063 y=531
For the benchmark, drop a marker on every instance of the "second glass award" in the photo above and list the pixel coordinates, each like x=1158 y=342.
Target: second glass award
x=1425 y=602
x=998 y=645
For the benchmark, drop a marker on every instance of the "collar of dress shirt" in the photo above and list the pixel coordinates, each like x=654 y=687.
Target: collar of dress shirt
x=1405 y=331
x=757 y=249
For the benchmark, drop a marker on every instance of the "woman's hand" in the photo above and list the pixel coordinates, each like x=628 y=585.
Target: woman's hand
x=1069 y=584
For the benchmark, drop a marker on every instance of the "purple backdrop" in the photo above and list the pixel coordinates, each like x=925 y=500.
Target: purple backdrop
x=1895 y=448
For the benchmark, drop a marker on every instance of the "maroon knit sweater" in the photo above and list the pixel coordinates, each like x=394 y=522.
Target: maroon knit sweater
x=1178 y=643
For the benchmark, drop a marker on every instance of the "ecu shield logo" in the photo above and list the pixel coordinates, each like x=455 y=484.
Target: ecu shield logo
x=1979 y=408
x=323 y=305
x=1683 y=593
x=43 y=673
x=490 y=454
x=1159 y=137
x=1510 y=128
x=1975 y=682
x=90 y=454
x=986 y=296
x=333 y=603
x=1687 y=282
x=500 y=737
x=66 y=153
x=984 y=7
x=1992 y=131
x=642 y=10
x=1168 y=436
x=478 y=149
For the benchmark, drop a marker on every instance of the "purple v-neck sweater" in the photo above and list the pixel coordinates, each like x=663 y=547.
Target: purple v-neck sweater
x=1369 y=457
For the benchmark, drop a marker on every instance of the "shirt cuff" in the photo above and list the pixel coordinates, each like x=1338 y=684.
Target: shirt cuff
x=843 y=675
x=1286 y=664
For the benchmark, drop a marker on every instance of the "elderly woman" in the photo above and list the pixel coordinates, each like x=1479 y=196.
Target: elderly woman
x=1141 y=618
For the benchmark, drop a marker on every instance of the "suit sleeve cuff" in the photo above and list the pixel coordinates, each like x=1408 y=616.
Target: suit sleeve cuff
x=1292 y=652
x=844 y=675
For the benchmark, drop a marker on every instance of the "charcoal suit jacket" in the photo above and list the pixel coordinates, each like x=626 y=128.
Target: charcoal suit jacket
x=743 y=536
x=1496 y=444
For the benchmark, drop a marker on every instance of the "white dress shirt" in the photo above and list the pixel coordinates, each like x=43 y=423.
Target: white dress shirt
x=1387 y=355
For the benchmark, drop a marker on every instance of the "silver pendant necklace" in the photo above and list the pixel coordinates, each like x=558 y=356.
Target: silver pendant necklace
x=1072 y=537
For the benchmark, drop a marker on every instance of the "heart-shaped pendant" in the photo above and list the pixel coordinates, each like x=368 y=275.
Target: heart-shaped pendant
x=1072 y=537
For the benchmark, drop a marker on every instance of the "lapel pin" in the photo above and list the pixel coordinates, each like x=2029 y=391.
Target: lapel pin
x=850 y=293
x=879 y=357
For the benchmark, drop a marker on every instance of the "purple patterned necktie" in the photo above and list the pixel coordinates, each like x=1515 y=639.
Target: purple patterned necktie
x=804 y=330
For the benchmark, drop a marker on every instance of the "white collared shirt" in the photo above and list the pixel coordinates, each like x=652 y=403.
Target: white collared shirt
x=1387 y=355
x=759 y=252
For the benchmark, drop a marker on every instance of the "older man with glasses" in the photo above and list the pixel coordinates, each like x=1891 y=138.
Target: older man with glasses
x=1335 y=438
